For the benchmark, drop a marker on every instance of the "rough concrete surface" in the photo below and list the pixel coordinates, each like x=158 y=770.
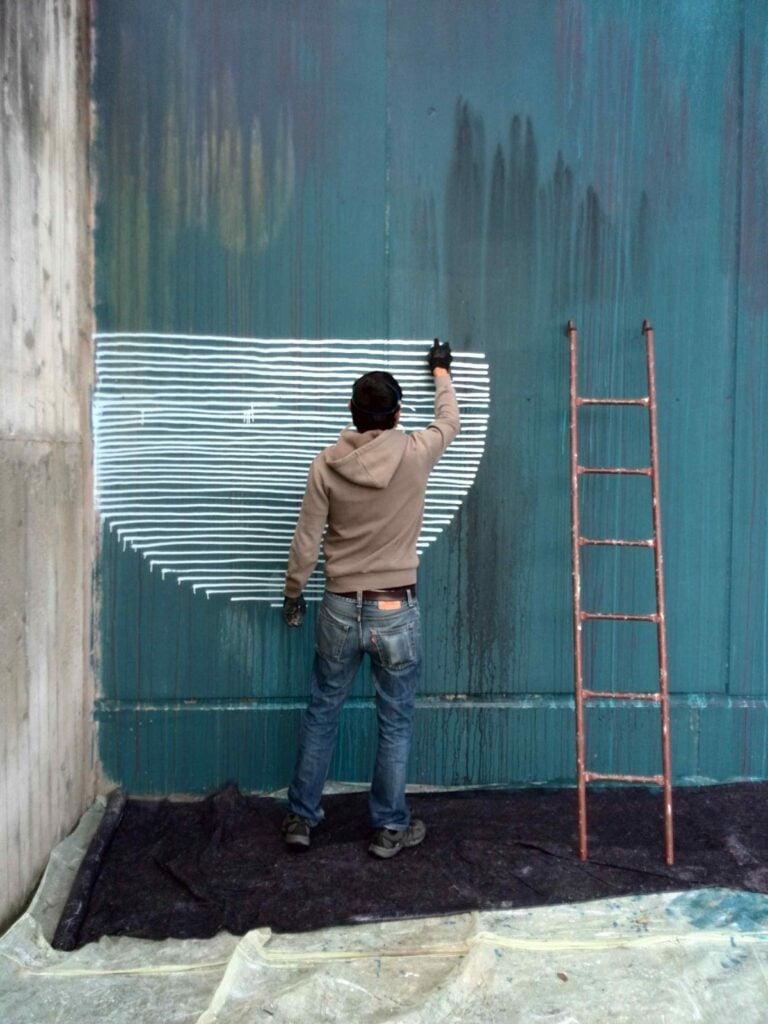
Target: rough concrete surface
x=45 y=485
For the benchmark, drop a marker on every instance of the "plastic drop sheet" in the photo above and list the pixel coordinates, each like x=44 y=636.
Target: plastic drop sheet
x=700 y=955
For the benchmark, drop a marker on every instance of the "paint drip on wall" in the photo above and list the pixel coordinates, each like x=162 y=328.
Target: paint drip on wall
x=203 y=444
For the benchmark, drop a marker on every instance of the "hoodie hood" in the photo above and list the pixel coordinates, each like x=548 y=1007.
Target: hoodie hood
x=369 y=459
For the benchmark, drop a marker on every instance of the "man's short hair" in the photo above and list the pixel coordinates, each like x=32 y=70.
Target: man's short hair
x=375 y=400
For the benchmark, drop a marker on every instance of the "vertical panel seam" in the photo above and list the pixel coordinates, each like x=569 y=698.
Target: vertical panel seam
x=387 y=169
x=735 y=345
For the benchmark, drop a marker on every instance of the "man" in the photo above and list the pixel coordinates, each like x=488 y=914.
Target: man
x=369 y=490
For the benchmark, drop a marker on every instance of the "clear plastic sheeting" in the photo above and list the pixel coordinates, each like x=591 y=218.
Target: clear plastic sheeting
x=114 y=981
x=694 y=956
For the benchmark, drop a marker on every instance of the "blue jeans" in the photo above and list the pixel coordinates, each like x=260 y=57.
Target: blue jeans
x=346 y=629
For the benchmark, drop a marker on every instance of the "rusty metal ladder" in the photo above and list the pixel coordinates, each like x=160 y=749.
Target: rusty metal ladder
x=582 y=693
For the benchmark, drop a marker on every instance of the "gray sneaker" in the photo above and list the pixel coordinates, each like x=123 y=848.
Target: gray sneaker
x=295 y=830
x=387 y=842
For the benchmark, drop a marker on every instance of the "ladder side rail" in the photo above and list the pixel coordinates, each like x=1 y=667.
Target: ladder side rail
x=578 y=674
x=661 y=621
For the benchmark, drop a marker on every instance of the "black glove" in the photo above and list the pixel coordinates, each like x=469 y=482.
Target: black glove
x=293 y=610
x=440 y=355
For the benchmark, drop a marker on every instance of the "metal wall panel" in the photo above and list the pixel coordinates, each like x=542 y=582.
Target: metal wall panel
x=483 y=172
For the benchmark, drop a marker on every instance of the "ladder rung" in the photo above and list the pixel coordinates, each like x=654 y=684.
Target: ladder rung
x=612 y=401
x=621 y=618
x=657 y=780
x=619 y=470
x=604 y=695
x=618 y=543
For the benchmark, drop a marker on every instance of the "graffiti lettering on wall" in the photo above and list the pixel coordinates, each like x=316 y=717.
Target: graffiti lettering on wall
x=203 y=443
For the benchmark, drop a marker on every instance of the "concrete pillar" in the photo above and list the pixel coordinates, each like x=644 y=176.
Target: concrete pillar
x=46 y=507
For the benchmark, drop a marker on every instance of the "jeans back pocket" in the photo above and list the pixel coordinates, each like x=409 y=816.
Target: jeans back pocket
x=397 y=647
x=330 y=635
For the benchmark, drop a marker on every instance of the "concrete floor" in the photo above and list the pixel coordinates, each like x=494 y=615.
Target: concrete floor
x=694 y=956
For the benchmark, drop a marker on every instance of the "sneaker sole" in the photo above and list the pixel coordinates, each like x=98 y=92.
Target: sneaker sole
x=302 y=841
x=385 y=852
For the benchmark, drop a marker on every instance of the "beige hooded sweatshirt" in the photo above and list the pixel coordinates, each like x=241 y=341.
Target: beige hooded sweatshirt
x=369 y=488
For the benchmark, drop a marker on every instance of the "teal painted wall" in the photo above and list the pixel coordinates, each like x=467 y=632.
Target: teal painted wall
x=484 y=172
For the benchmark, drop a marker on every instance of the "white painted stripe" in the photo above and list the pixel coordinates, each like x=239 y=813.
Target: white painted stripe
x=366 y=345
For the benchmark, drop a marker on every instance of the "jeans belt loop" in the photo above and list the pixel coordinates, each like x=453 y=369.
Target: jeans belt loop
x=410 y=597
x=359 y=600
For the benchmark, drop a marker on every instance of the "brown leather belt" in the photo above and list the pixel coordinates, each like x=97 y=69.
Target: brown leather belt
x=392 y=594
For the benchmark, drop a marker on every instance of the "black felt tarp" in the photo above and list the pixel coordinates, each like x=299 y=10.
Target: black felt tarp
x=160 y=869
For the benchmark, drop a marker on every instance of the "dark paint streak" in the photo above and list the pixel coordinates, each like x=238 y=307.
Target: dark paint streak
x=589 y=246
x=532 y=255
x=562 y=233
x=424 y=271
x=464 y=203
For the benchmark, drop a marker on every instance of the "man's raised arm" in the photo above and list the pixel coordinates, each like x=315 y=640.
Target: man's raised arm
x=446 y=424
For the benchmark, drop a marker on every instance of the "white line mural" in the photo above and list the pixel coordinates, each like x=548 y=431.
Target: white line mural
x=203 y=443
